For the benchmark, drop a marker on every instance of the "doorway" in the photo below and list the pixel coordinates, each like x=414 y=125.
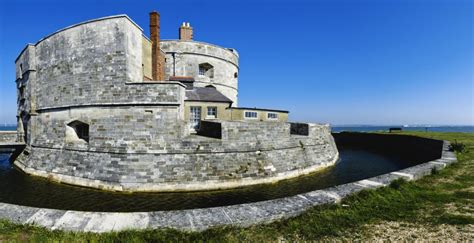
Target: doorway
x=195 y=117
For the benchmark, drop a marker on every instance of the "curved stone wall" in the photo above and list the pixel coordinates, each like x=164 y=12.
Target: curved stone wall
x=133 y=135
x=205 y=218
x=183 y=59
x=191 y=163
x=88 y=63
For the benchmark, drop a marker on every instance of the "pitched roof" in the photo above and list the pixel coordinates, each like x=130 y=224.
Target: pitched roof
x=209 y=94
x=181 y=78
x=257 y=109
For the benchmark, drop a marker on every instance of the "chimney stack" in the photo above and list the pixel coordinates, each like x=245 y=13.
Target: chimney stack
x=157 y=61
x=186 y=32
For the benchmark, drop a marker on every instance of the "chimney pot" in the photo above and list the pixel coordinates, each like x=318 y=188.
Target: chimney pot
x=186 y=32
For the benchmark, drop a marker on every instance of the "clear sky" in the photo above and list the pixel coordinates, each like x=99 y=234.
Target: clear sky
x=342 y=62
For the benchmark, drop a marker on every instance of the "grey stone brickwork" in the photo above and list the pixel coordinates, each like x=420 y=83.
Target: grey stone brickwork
x=136 y=137
x=201 y=219
x=183 y=59
x=8 y=137
x=154 y=160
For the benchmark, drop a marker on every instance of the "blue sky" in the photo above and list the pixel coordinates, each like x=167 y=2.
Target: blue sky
x=342 y=62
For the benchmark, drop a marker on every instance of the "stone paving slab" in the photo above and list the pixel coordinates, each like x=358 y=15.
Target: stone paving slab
x=201 y=219
x=46 y=217
x=17 y=213
x=104 y=222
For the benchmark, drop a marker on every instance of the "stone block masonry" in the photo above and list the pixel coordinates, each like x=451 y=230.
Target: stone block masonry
x=262 y=153
x=8 y=137
x=184 y=57
x=201 y=219
x=88 y=118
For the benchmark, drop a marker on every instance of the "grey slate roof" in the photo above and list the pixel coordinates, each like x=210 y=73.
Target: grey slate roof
x=206 y=94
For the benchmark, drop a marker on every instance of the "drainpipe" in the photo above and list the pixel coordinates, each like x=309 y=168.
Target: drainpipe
x=174 y=63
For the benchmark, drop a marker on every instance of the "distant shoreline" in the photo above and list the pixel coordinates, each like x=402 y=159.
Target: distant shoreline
x=370 y=128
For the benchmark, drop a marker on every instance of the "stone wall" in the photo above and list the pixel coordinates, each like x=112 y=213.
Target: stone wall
x=414 y=148
x=8 y=136
x=134 y=136
x=89 y=63
x=183 y=59
x=112 y=129
x=242 y=215
x=238 y=113
x=262 y=153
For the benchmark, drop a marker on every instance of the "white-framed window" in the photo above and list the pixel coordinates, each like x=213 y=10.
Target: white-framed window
x=272 y=116
x=251 y=115
x=211 y=112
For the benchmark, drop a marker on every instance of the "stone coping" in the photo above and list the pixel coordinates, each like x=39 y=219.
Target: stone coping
x=231 y=50
x=107 y=104
x=79 y=24
x=201 y=219
x=8 y=132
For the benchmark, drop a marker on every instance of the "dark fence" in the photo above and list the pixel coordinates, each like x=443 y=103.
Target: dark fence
x=210 y=129
x=299 y=128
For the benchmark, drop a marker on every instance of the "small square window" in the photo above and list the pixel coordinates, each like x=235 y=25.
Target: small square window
x=251 y=115
x=272 y=116
x=211 y=112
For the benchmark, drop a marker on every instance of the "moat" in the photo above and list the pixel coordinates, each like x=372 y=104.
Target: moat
x=356 y=162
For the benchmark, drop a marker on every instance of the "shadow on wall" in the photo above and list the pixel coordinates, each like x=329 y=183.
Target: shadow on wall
x=405 y=147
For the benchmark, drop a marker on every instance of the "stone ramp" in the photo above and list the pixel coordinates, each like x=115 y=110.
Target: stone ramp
x=14 y=148
x=9 y=144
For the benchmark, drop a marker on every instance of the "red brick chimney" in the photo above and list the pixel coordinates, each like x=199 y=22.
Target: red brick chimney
x=157 y=61
x=186 y=32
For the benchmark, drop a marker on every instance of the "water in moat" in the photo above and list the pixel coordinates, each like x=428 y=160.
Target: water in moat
x=18 y=188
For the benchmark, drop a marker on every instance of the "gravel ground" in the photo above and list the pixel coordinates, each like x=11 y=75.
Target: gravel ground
x=400 y=231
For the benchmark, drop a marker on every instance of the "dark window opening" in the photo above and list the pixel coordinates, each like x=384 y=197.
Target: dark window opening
x=206 y=69
x=236 y=75
x=22 y=93
x=81 y=129
x=21 y=71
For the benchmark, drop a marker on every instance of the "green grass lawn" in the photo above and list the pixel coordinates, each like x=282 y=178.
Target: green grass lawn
x=445 y=198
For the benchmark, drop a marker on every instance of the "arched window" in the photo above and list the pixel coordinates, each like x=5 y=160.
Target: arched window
x=206 y=69
x=80 y=130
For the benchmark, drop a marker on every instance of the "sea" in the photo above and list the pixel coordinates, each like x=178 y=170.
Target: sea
x=427 y=128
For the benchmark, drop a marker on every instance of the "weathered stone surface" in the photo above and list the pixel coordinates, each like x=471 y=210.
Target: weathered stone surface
x=16 y=213
x=137 y=138
x=8 y=136
x=183 y=59
x=201 y=219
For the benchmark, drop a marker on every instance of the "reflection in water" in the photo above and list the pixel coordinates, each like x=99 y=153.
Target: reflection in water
x=19 y=188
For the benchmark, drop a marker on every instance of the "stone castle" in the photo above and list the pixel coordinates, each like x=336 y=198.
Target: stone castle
x=101 y=105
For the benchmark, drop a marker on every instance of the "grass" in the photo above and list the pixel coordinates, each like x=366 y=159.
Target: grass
x=444 y=198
